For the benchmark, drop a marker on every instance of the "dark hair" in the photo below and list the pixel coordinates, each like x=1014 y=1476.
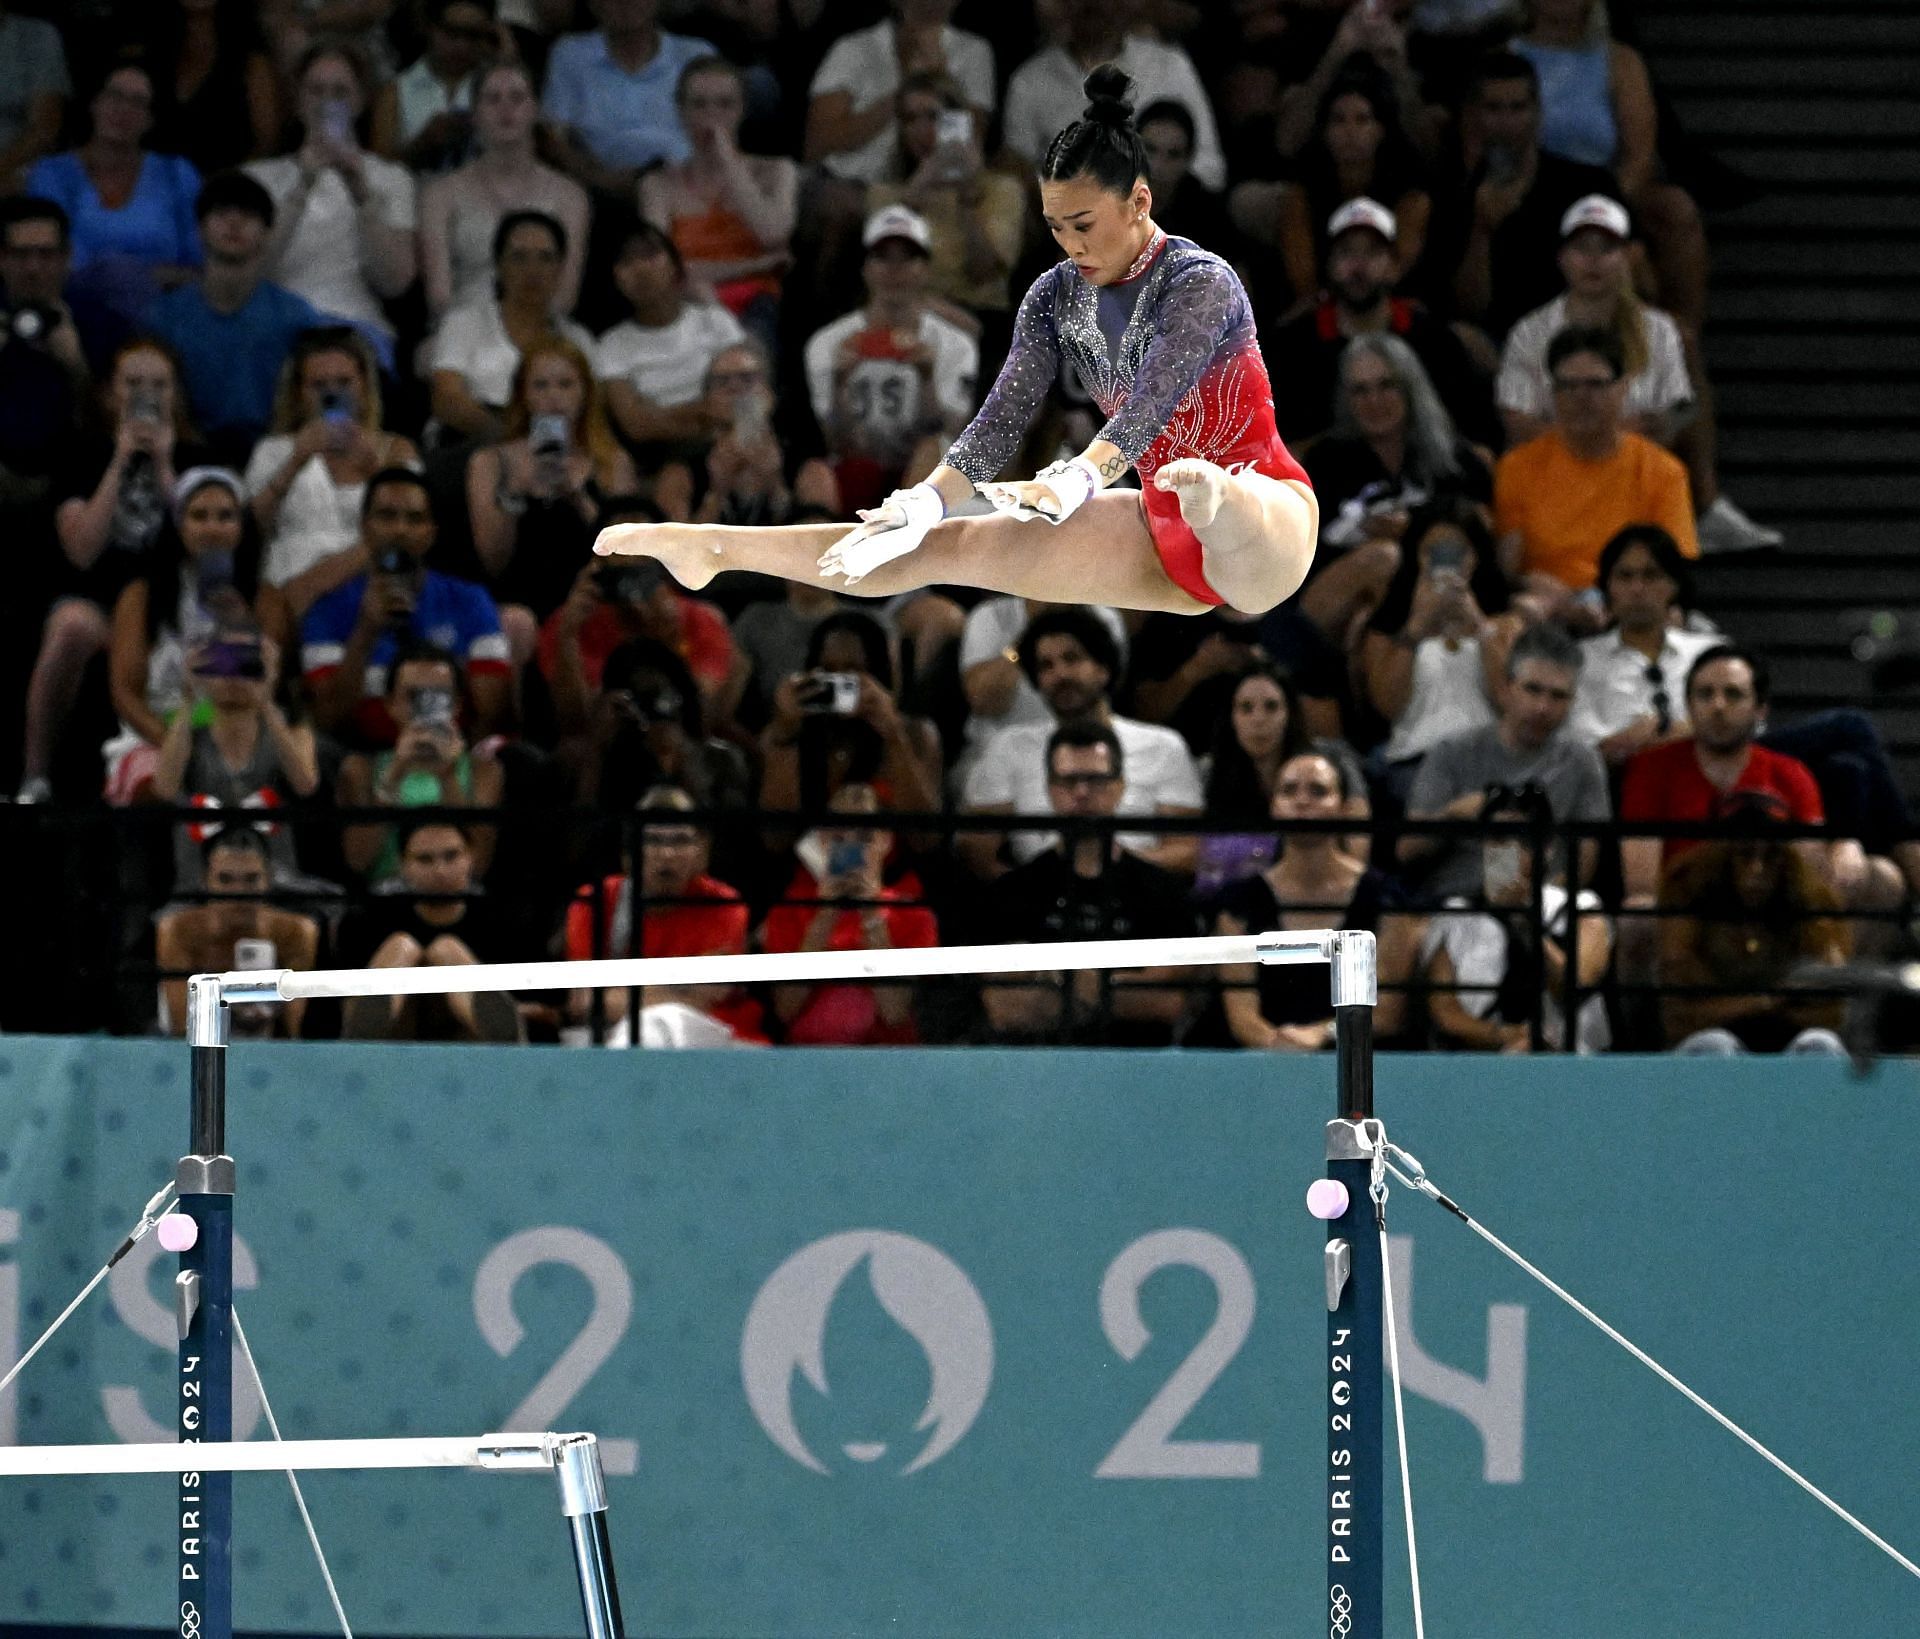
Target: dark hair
x=1103 y=142
x=1488 y=585
x=233 y=191
x=871 y=636
x=1497 y=67
x=1547 y=643
x=646 y=654
x=237 y=836
x=434 y=10
x=389 y=478
x=1341 y=758
x=1661 y=547
x=633 y=229
x=1083 y=737
x=1762 y=677
x=163 y=565
x=1585 y=338
x=405 y=830
x=419 y=652
x=1174 y=113
x=26 y=208
x=1080 y=623
x=346 y=51
x=1396 y=167
x=513 y=221
x=1234 y=790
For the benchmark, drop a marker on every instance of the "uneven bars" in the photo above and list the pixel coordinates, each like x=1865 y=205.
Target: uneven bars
x=285 y=985
x=488 y=1451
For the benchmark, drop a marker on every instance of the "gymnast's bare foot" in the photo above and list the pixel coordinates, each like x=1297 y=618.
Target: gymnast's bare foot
x=688 y=557
x=1200 y=485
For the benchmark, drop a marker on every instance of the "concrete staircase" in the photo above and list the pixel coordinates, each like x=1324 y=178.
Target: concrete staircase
x=1813 y=335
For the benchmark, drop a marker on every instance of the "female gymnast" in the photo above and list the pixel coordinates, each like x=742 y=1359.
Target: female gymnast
x=1162 y=334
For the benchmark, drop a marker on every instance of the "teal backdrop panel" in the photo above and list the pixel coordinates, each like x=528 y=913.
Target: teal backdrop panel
x=981 y=1343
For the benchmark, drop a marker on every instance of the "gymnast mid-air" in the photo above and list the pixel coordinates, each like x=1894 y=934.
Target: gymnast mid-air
x=1162 y=334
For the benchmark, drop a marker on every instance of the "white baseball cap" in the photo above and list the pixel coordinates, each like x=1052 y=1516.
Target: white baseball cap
x=1363 y=213
x=897 y=222
x=1597 y=211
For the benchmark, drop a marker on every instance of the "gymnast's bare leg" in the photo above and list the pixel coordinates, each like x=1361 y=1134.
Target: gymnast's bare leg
x=1256 y=534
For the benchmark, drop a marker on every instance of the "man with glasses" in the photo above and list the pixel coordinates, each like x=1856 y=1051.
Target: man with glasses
x=1088 y=887
x=1559 y=499
x=1633 y=675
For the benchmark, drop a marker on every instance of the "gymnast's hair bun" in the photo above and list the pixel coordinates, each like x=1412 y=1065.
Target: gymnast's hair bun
x=1109 y=90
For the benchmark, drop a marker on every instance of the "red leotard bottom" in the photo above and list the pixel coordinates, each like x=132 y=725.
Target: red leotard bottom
x=1177 y=545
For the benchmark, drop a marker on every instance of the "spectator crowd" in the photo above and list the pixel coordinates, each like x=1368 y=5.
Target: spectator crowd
x=333 y=331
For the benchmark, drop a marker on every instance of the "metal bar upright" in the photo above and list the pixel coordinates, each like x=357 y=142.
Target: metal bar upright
x=1355 y=1447
x=583 y=1499
x=203 y=1308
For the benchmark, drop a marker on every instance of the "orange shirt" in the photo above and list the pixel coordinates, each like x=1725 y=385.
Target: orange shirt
x=1566 y=509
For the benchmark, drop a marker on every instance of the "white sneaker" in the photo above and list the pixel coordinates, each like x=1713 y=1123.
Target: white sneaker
x=1723 y=527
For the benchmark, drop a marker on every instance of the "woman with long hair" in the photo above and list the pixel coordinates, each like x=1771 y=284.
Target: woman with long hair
x=1314 y=883
x=343 y=227
x=461 y=212
x=110 y=508
x=1435 y=654
x=729 y=214
x=1357 y=151
x=220 y=106
x=1163 y=333
x=308 y=476
x=1262 y=727
x=535 y=497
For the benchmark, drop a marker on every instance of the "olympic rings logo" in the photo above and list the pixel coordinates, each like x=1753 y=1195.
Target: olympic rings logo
x=1340 y=1620
x=189 y=1620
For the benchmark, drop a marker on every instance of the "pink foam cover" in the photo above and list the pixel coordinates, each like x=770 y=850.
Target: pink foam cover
x=1327 y=1198
x=177 y=1232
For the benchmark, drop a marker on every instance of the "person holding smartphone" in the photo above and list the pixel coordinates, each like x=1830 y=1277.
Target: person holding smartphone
x=343 y=234
x=110 y=507
x=836 y=901
x=1435 y=652
x=976 y=217
x=430 y=766
x=309 y=475
x=537 y=497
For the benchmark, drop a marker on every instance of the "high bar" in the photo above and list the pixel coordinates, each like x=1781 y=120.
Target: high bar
x=799 y=967
x=487 y=1451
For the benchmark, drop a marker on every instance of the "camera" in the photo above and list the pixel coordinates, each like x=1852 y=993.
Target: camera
x=835 y=694
x=631 y=583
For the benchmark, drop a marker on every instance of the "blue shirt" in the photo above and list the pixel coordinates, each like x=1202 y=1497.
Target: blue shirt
x=155 y=228
x=626 y=120
x=232 y=361
x=451 y=614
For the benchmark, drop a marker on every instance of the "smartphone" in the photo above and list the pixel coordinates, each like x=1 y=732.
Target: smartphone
x=336 y=122
x=749 y=417
x=431 y=706
x=953 y=128
x=255 y=956
x=846 y=857
x=143 y=402
x=830 y=694
x=1447 y=557
x=550 y=435
x=231 y=657
x=337 y=407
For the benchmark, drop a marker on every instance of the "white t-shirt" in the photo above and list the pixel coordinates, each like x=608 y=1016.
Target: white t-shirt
x=318 y=517
x=1449 y=697
x=667 y=363
x=1525 y=387
x=886 y=392
x=473 y=342
x=1476 y=945
x=321 y=260
x=1047 y=94
x=865 y=65
x=992 y=628
x=1615 y=690
x=1012 y=772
